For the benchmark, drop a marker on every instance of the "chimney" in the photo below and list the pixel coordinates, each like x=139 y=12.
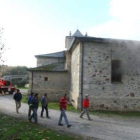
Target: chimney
x=70 y=33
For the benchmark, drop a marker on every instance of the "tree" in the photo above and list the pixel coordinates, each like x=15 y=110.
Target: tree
x=1 y=46
x=20 y=82
x=19 y=70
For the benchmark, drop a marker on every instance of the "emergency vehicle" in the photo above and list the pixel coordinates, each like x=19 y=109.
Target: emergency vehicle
x=6 y=86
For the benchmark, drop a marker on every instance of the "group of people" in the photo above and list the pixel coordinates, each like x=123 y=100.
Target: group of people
x=33 y=103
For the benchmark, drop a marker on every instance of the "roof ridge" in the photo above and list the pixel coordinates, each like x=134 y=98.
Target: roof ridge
x=78 y=33
x=55 y=54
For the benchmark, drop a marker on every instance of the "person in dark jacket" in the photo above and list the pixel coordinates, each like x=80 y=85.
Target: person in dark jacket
x=44 y=104
x=63 y=107
x=85 y=107
x=29 y=102
x=34 y=106
x=17 y=97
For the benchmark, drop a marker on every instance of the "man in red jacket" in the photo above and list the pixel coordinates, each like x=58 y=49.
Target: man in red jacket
x=85 y=107
x=63 y=107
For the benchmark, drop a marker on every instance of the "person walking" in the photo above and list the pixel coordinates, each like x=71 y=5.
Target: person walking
x=85 y=107
x=34 y=106
x=29 y=102
x=44 y=104
x=17 y=97
x=63 y=107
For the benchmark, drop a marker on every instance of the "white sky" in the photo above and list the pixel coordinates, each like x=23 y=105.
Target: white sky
x=33 y=27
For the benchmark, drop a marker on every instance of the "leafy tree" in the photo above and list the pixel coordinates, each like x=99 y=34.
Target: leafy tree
x=20 y=82
x=19 y=70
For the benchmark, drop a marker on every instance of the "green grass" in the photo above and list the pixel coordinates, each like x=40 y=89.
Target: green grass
x=55 y=105
x=15 y=129
x=116 y=113
x=24 y=98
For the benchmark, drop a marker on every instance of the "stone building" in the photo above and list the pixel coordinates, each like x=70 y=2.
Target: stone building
x=106 y=69
x=50 y=76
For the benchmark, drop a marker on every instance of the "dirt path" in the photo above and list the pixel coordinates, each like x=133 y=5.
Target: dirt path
x=99 y=128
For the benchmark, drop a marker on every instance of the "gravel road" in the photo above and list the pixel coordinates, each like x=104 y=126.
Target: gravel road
x=101 y=128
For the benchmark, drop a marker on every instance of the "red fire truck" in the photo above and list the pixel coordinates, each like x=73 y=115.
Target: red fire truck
x=6 y=86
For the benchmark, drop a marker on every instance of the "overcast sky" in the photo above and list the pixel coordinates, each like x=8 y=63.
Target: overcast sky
x=33 y=27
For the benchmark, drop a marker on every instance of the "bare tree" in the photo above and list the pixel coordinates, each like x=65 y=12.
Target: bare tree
x=2 y=49
x=1 y=46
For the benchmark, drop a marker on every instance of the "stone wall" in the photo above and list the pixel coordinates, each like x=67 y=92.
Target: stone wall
x=68 y=41
x=45 y=61
x=104 y=94
x=68 y=61
x=56 y=86
x=76 y=75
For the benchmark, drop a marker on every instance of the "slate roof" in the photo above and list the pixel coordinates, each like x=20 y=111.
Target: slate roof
x=53 y=55
x=76 y=40
x=55 y=67
x=78 y=34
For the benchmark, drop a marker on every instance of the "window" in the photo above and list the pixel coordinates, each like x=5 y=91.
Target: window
x=45 y=78
x=116 y=74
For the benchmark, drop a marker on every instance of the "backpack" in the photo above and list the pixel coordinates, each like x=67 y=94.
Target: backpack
x=29 y=100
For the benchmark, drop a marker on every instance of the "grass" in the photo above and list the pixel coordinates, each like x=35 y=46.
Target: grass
x=55 y=105
x=21 y=87
x=15 y=129
x=24 y=98
x=116 y=113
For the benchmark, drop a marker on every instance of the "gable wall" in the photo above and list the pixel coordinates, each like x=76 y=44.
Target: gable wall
x=45 y=61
